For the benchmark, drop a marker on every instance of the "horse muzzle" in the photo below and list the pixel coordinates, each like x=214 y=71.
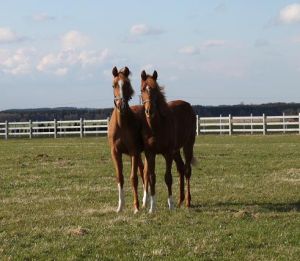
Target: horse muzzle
x=149 y=113
x=120 y=104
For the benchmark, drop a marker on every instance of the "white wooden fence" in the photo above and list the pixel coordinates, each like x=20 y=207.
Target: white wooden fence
x=53 y=128
x=250 y=124
x=205 y=125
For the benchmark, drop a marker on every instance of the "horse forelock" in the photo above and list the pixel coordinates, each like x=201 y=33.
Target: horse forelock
x=127 y=83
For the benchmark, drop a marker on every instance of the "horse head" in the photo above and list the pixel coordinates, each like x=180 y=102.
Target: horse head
x=152 y=95
x=122 y=88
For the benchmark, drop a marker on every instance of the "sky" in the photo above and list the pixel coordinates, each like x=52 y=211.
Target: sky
x=60 y=53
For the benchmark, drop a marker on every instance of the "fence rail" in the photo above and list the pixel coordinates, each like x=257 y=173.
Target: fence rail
x=250 y=124
x=205 y=125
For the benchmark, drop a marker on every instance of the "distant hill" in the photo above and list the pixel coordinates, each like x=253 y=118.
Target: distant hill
x=70 y=113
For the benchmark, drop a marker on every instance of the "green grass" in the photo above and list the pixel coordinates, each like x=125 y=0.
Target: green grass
x=58 y=200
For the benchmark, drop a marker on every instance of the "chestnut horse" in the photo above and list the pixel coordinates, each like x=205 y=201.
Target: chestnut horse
x=167 y=127
x=125 y=134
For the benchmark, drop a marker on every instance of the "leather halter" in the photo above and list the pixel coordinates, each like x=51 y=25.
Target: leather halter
x=120 y=97
x=148 y=101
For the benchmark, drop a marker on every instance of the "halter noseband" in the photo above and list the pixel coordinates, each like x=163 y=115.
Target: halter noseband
x=148 y=101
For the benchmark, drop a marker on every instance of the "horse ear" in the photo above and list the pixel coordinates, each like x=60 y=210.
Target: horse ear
x=115 y=71
x=126 y=71
x=154 y=76
x=143 y=75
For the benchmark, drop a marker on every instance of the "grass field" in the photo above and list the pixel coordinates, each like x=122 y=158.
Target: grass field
x=58 y=200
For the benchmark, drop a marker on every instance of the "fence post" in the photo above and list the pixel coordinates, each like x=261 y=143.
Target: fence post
x=220 y=124
x=81 y=128
x=230 y=124
x=107 y=125
x=283 y=122
x=6 y=129
x=251 y=121
x=299 y=122
x=197 y=125
x=264 y=124
x=55 y=128
x=30 y=129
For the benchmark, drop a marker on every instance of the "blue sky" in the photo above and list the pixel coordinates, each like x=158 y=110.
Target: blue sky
x=61 y=53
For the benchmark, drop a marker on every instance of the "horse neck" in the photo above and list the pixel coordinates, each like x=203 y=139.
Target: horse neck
x=155 y=122
x=123 y=119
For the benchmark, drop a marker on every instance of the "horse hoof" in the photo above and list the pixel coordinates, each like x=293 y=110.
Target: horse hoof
x=170 y=203
x=136 y=211
x=119 y=209
x=151 y=211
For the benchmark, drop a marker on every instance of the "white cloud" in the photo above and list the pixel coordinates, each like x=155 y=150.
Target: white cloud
x=74 y=39
x=8 y=36
x=60 y=63
x=213 y=43
x=191 y=50
x=290 y=14
x=61 y=71
x=221 y=7
x=42 y=17
x=17 y=62
x=87 y=58
x=143 y=29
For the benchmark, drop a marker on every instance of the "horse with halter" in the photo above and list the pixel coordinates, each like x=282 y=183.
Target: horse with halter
x=167 y=127
x=125 y=134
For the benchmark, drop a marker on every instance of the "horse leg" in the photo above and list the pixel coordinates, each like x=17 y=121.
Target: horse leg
x=140 y=167
x=150 y=175
x=180 y=168
x=169 y=179
x=134 y=181
x=117 y=159
x=146 y=182
x=188 y=153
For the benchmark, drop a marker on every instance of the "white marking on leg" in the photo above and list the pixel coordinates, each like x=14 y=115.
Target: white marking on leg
x=121 y=198
x=170 y=202
x=152 y=204
x=145 y=199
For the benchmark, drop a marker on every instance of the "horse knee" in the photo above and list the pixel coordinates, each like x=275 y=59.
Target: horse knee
x=188 y=171
x=134 y=180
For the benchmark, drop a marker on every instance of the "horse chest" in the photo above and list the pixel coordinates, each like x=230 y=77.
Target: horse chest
x=156 y=145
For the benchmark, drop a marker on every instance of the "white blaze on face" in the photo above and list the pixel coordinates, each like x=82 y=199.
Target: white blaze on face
x=148 y=88
x=121 y=83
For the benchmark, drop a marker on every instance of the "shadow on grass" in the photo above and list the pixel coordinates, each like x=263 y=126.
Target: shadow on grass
x=261 y=207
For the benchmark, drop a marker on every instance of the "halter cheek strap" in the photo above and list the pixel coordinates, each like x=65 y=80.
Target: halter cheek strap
x=148 y=100
x=120 y=97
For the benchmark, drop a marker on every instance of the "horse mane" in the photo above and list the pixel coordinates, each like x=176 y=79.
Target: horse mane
x=126 y=78
x=161 y=100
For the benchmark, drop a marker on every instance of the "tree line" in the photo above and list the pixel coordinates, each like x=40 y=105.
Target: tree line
x=70 y=113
